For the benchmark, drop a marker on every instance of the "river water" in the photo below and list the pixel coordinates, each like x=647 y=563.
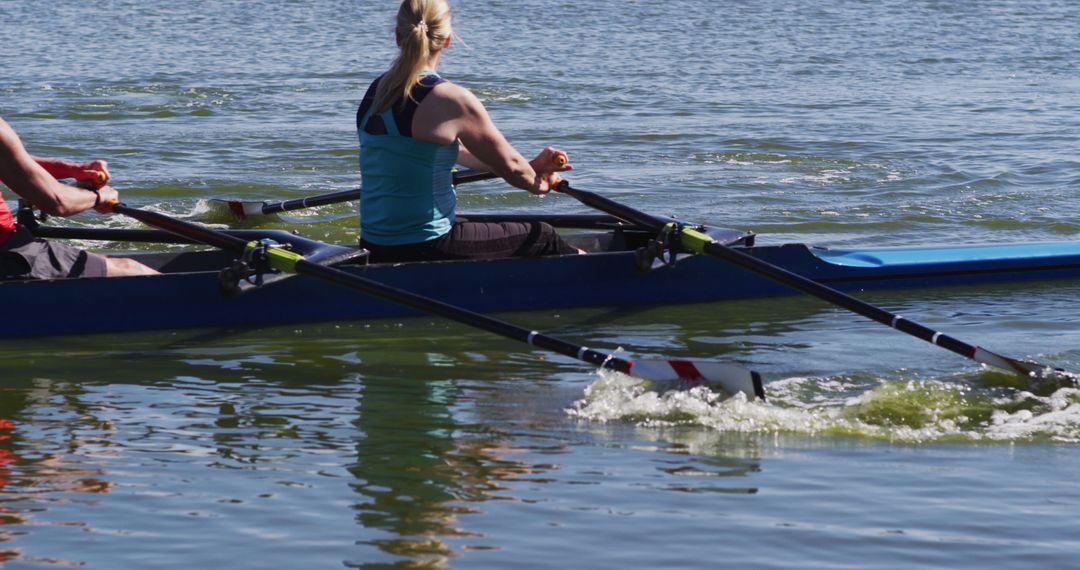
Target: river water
x=419 y=443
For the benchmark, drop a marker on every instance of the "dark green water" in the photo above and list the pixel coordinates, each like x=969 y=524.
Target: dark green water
x=424 y=444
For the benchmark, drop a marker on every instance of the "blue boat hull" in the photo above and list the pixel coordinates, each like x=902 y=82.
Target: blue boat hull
x=192 y=299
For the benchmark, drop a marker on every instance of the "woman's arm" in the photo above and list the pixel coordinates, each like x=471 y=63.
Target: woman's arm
x=468 y=160
x=453 y=113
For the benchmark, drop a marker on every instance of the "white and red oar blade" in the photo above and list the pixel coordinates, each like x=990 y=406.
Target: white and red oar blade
x=689 y=373
x=234 y=209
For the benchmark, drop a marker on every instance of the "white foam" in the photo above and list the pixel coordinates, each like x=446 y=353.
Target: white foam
x=897 y=410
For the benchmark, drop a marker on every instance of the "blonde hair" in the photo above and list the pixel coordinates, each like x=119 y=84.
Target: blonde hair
x=423 y=26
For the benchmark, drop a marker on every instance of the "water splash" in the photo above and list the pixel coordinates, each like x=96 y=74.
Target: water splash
x=910 y=411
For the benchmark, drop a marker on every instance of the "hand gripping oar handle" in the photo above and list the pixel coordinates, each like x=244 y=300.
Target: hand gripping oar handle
x=698 y=242
x=731 y=378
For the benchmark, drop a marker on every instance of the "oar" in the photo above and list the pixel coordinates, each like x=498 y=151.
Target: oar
x=697 y=242
x=243 y=210
x=729 y=377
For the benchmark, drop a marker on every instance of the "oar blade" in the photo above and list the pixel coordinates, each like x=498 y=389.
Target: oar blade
x=996 y=360
x=681 y=374
x=235 y=209
x=1040 y=378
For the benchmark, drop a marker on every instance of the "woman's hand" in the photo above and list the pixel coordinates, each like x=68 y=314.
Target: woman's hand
x=547 y=165
x=94 y=173
x=551 y=160
x=545 y=182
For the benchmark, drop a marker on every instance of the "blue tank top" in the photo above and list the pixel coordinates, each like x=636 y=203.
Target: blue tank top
x=408 y=192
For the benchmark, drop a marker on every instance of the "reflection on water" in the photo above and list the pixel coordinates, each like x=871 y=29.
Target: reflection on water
x=46 y=436
x=415 y=451
x=406 y=442
x=290 y=419
x=419 y=471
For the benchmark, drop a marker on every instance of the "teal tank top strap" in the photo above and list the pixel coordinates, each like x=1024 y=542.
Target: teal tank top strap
x=388 y=115
x=390 y=123
x=363 y=121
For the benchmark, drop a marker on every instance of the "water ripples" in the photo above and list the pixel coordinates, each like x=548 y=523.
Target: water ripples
x=420 y=443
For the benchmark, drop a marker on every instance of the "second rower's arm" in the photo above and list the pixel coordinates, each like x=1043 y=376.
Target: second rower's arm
x=95 y=173
x=23 y=174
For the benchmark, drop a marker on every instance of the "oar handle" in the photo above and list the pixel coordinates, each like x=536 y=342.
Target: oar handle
x=560 y=161
x=107 y=207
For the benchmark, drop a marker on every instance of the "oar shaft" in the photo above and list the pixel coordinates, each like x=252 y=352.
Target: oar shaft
x=731 y=378
x=470 y=175
x=384 y=292
x=698 y=242
x=188 y=230
x=459 y=177
x=432 y=306
x=809 y=286
x=312 y=201
x=607 y=205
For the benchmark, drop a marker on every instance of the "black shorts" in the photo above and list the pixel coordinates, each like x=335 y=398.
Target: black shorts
x=24 y=256
x=478 y=240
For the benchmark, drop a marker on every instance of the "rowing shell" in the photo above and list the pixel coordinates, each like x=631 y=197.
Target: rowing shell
x=187 y=293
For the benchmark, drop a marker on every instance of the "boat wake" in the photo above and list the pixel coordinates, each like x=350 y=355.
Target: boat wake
x=905 y=411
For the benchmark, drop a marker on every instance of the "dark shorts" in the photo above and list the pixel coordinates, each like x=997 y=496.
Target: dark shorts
x=24 y=256
x=478 y=240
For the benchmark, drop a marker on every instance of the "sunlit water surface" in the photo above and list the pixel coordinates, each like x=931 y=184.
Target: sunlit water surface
x=421 y=443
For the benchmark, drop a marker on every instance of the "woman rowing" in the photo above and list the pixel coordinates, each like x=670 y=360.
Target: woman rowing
x=414 y=126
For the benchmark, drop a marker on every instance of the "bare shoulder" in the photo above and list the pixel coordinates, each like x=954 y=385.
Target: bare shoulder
x=447 y=113
x=9 y=141
x=5 y=129
x=455 y=99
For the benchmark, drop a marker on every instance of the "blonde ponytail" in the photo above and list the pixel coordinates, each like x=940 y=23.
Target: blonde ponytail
x=423 y=27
